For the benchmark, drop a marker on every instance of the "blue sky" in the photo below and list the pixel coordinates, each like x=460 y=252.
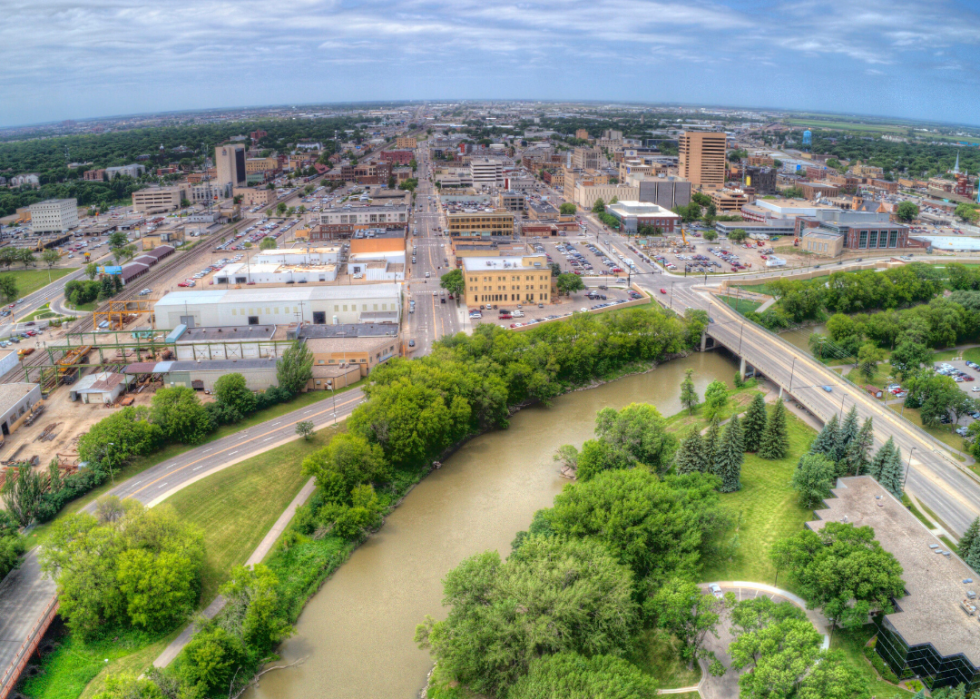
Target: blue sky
x=907 y=58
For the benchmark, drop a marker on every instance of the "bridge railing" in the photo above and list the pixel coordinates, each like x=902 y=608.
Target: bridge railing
x=10 y=676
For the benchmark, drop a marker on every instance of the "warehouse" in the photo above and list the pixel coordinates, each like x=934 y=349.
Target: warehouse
x=101 y=387
x=259 y=374
x=275 y=273
x=237 y=307
x=17 y=401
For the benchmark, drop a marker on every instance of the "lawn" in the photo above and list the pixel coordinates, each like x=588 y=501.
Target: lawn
x=851 y=642
x=846 y=125
x=757 y=288
x=90 y=306
x=972 y=354
x=660 y=656
x=765 y=510
x=945 y=436
x=40 y=314
x=30 y=280
x=681 y=423
x=882 y=376
x=740 y=305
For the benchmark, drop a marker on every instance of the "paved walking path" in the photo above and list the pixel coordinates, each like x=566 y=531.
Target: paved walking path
x=177 y=645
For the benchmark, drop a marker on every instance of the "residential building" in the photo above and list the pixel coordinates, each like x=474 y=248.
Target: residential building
x=932 y=633
x=586 y=158
x=525 y=279
x=25 y=181
x=406 y=142
x=134 y=170
x=480 y=223
x=866 y=170
x=157 y=200
x=254 y=165
x=634 y=215
x=252 y=196
x=486 y=173
x=701 y=158
x=94 y=175
x=54 y=216
x=229 y=161
x=886 y=185
x=668 y=192
x=258 y=135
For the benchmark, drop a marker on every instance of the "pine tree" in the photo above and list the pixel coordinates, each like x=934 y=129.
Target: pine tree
x=892 y=474
x=858 y=455
x=736 y=424
x=728 y=459
x=689 y=396
x=754 y=423
x=972 y=557
x=775 y=440
x=711 y=441
x=881 y=458
x=848 y=432
x=826 y=442
x=969 y=536
x=690 y=456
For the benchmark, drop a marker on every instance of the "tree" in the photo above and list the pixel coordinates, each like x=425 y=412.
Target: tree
x=893 y=474
x=528 y=607
x=682 y=610
x=128 y=686
x=729 y=457
x=715 y=398
x=779 y=654
x=841 y=570
x=868 y=358
x=572 y=676
x=50 y=257
x=906 y=212
x=710 y=235
x=711 y=440
x=967 y=213
x=834 y=678
x=231 y=390
x=689 y=396
x=828 y=441
x=211 y=661
x=637 y=434
x=118 y=239
x=348 y=461
x=569 y=283
x=295 y=368
x=567 y=209
x=971 y=534
x=22 y=493
x=858 y=453
x=453 y=282
x=180 y=415
x=881 y=459
x=908 y=357
x=775 y=440
x=971 y=555
x=281 y=208
x=738 y=235
x=754 y=423
x=813 y=478
x=599 y=207
x=253 y=610
x=267 y=244
x=567 y=456
x=8 y=288
x=91 y=269
x=304 y=428
x=691 y=456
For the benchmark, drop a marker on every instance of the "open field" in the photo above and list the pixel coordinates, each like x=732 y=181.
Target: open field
x=30 y=280
x=740 y=305
x=846 y=125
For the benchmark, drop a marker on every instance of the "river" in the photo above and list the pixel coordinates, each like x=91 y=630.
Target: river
x=800 y=337
x=356 y=632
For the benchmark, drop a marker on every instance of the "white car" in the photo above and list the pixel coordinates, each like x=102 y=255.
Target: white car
x=716 y=590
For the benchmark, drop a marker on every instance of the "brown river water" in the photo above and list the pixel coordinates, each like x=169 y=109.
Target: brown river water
x=356 y=632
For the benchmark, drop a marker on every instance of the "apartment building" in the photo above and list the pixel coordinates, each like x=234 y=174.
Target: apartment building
x=402 y=157
x=255 y=197
x=525 y=279
x=701 y=158
x=25 y=181
x=157 y=200
x=54 y=216
x=480 y=223
x=586 y=158
x=94 y=175
x=134 y=170
x=406 y=142
x=486 y=173
x=229 y=161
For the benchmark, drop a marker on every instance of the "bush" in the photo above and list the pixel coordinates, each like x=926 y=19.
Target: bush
x=880 y=665
x=72 y=486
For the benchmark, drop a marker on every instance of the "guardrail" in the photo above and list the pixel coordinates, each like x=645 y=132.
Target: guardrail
x=10 y=676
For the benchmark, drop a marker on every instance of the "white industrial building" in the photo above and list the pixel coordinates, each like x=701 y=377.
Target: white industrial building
x=54 y=216
x=275 y=273
x=329 y=255
x=101 y=387
x=237 y=307
x=365 y=215
x=8 y=360
x=17 y=401
x=133 y=170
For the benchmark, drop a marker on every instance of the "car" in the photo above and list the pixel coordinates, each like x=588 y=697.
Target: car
x=716 y=590
x=427 y=275
x=828 y=389
x=411 y=343
x=662 y=291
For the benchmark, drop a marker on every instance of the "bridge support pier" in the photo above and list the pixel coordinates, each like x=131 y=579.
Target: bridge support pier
x=780 y=392
x=704 y=340
x=741 y=368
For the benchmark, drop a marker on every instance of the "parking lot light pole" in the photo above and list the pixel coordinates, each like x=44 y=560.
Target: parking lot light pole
x=907 y=469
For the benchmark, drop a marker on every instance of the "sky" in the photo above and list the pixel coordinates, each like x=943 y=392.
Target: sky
x=63 y=59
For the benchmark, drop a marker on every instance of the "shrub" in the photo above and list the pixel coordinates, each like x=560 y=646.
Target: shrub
x=880 y=665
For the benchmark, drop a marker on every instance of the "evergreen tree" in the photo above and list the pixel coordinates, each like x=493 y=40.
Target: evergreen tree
x=848 y=432
x=775 y=440
x=689 y=396
x=828 y=439
x=969 y=536
x=728 y=458
x=754 y=423
x=881 y=458
x=690 y=456
x=711 y=441
x=892 y=474
x=858 y=456
x=972 y=557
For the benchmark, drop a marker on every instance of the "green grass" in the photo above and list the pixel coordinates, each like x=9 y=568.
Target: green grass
x=847 y=126
x=90 y=306
x=681 y=423
x=39 y=534
x=659 y=655
x=851 y=642
x=42 y=312
x=757 y=288
x=739 y=304
x=882 y=376
x=30 y=280
x=915 y=510
x=973 y=354
x=944 y=435
x=763 y=511
x=949 y=544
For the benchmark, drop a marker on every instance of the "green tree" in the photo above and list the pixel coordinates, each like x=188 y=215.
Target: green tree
x=969 y=536
x=834 y=678
x=972 y=556
x=813 y=478
x=775 y=439
x=893 y=474
x=858 y=454
x=232 y=390
x=253 y=610
x=160 y=587
x=180 y=415
x=304 y=428
x=715 y=398
x=967 y=213
x=295 y=368
x=637 y=434
x=567 y=209
x=281 y=208
x=729 y=457
x=118 y=239
x=599 y=207
x=710 y=235
x=128 y=686
x=22 y=491
x=701 y=199
x=906 y=212
x=712 y=439
x=828 y=442
x=267 y=244
x=91 y=269
x=453 y=282
x=691 y=456
x=211 y=662
x=118 y=437
x=682 y=610
x=881 y=458
x=527 y=607
x=779 y=655
x=868 y=358
x=841 y=570
x=572 y=676
x=689 y=396
x=8 y=288
x=738 y=235
x=50 y=257
x=347 y=461
x=754 y=423
x=568 y=283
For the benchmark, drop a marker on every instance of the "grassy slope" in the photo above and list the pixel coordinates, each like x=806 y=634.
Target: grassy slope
x=851 y=641
x=30 y=280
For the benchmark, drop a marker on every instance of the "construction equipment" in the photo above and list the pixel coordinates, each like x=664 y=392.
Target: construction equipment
x=684 y=237
x=76 y=355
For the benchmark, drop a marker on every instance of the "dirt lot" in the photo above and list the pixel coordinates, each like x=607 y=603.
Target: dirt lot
x=568 y=305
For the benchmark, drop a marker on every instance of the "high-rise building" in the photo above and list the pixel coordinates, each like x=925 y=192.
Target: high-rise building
x=582 y=134
x=702 y=158
x=486 y=173
x=54 y=216
x=229 y=160
x=586 y=158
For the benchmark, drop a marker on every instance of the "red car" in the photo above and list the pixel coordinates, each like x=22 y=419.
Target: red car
x=663 y=291
x=182 y=284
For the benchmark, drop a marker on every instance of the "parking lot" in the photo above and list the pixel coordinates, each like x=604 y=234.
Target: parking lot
x=719 y=256
x=966 y=374
x=580 y=256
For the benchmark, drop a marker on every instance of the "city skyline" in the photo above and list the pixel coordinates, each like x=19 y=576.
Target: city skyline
x=909 y=59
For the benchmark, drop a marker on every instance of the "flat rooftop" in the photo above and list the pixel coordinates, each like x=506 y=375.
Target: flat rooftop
x=930 y=612
x=482 y=264
x=348 y=330
x=232 y=334
x=312 y=293
x=641 y=208
x=11 y=392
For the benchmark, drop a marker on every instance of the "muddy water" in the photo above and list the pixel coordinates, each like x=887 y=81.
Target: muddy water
x=356 y=633
x=800 y=337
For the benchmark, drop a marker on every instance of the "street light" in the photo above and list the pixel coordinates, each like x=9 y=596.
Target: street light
x=908 y=467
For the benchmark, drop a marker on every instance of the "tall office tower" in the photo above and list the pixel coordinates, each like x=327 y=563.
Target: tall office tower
x=702 y=158
x=229 y=159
